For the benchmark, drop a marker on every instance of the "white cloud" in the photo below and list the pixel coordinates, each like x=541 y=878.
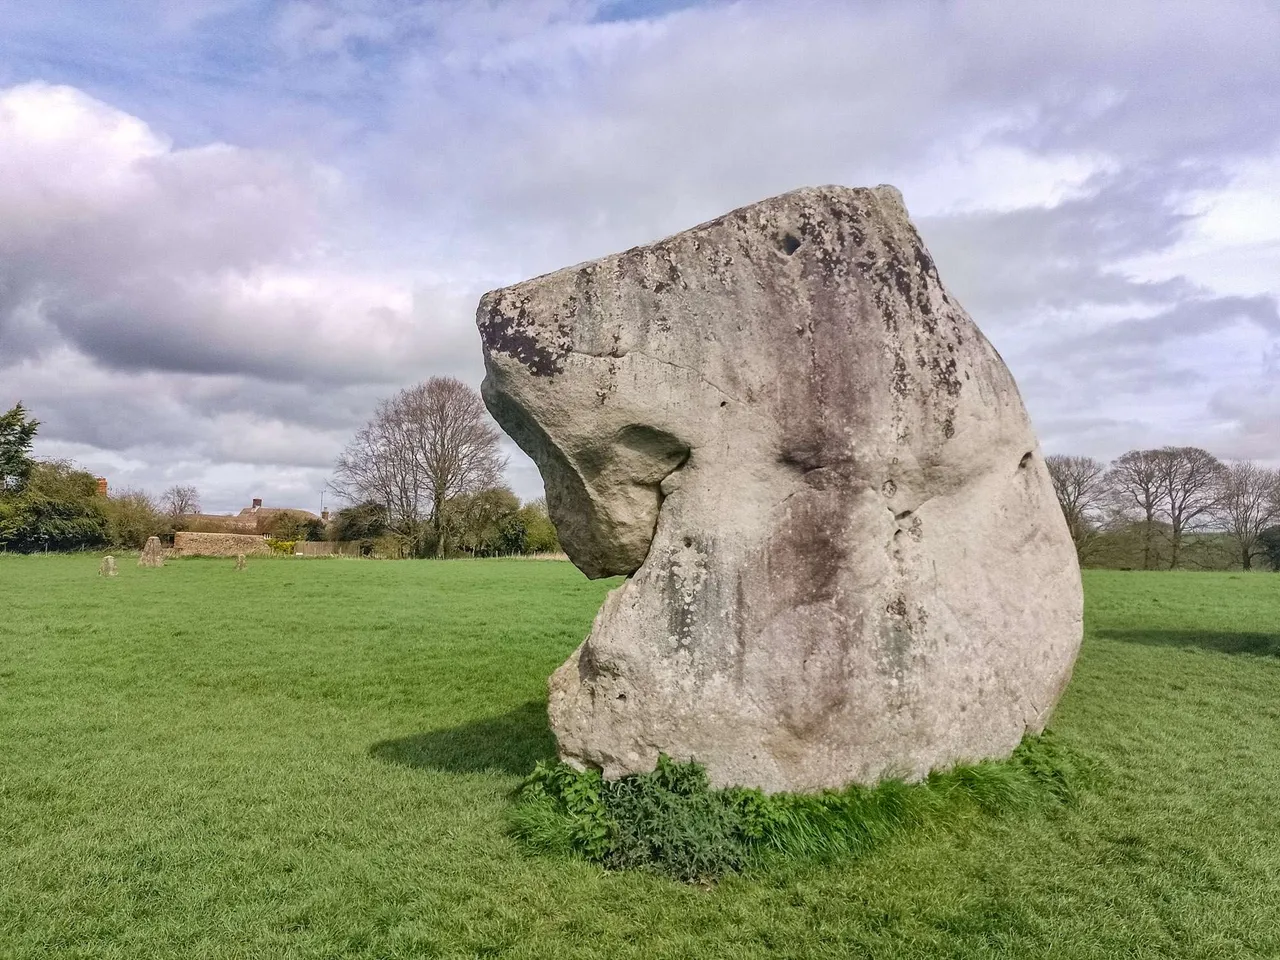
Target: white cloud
x=230 y=304
x=137 y=278
x=207 y=259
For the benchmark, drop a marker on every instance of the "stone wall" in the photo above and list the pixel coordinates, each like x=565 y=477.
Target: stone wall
x=187 y=544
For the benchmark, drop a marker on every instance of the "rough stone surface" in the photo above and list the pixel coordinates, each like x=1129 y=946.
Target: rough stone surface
x=152 y=553
x=108 y=567
x=845 y=556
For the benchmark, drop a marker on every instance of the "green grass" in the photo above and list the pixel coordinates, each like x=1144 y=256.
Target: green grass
x=671 y=821
x=316 y=759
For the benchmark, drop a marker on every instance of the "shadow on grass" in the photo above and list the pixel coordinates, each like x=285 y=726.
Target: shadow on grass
x=1261 y=644
x=511 y=743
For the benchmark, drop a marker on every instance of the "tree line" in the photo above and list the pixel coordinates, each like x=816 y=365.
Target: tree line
x=458 y=508
x=424 y=478
x=427 y=470
x=54 y=505
x=1170 y=507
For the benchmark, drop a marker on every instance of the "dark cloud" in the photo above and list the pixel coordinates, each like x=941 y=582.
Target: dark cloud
x=1043 y=259
x=1188 y=318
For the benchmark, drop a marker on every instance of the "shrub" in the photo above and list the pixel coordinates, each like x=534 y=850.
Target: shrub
x=670 y=821
x=363 y=523
x=290 y=525
x=58 y=508
x=486 y=523
x=540 y=532
x=132 y=517
x=390 y=547
x=1269 y=541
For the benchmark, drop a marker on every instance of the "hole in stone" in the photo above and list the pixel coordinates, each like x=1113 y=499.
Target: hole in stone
x=724 y=403
x=1026 y=459
x=621 y=696
x=789 y=243
x=903 y=515
x=688 y=541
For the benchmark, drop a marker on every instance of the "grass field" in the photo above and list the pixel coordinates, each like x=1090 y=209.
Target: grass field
x=315 y=758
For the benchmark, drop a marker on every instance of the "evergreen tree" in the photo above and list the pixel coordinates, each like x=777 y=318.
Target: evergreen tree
x=17 y=432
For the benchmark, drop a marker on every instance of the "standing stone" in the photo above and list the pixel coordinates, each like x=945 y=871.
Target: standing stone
x=240 y=562
x=108 y=567
x=152 y=554
x=844 y=553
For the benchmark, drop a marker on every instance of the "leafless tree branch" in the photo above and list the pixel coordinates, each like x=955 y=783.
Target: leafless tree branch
x=424 y=446
x=1249 y=503
x=1084 y=492
x=180 y=501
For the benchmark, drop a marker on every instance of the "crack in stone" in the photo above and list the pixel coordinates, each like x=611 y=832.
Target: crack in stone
x=669 y=363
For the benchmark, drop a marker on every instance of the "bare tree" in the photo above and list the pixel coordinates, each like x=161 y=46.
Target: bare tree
x=1134 y=480
x=456 y=444
x=1081 y=484
x=179 y=501
x=1190 y=483
x=1248 y=504
x=378 y=465
x=424 y=446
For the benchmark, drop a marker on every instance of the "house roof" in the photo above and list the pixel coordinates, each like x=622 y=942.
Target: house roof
x=273 y=511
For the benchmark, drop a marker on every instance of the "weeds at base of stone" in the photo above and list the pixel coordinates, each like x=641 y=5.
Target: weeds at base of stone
x=670 y=821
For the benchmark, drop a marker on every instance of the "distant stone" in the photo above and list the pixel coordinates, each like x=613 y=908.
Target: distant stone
x=240 y=562
x=108 y=567
x=152 y=553
x=844 y=553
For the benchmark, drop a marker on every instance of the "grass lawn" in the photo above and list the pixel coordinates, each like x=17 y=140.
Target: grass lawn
x=313 y=758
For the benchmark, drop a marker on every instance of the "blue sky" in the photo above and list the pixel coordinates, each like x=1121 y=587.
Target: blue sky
x=228 y=227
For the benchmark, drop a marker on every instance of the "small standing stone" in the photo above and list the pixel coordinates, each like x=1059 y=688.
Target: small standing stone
x=240 y=562
x=152 y=554
x=108 y=567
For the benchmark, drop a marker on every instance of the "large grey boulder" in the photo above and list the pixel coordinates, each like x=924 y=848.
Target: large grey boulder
x=844 y=553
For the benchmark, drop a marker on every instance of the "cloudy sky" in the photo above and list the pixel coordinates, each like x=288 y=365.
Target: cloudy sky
x=227 y=227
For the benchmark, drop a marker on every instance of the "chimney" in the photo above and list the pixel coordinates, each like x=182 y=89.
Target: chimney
x=102 y=486
x=257 y=503
x=324 y=515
